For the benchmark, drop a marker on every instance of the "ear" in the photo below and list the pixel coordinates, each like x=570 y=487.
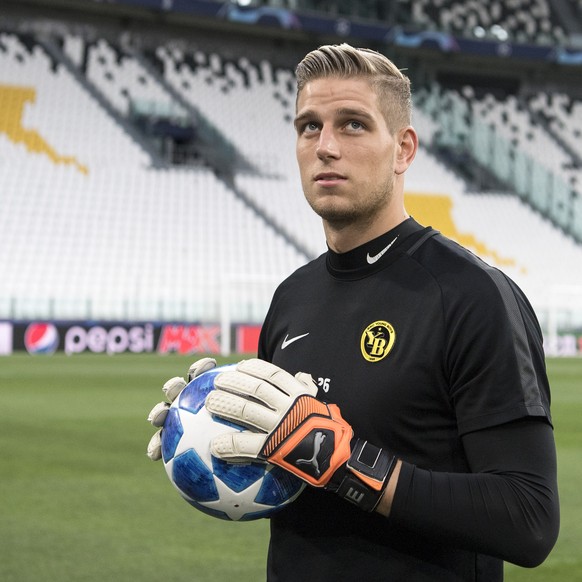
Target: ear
x=406 y=147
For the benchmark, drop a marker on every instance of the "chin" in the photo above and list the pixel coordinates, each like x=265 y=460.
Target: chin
x=336 y=216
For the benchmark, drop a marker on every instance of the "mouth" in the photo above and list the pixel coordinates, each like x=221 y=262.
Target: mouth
x=329 y=178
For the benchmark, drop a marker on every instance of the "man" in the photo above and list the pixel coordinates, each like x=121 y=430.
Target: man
x=436 y=460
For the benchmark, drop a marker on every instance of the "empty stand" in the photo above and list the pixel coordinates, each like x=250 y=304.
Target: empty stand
x=517 y=141
x=563 y=114
x=125 y=82
x=252 y=104
x=124 y=239
x=525 y=21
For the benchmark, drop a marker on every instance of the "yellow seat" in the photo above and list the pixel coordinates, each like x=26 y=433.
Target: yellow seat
x=436 y=210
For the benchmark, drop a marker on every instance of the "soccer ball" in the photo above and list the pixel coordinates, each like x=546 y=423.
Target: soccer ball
x=228 y=491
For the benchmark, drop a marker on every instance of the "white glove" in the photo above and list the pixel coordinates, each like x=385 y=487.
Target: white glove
x=257 y=395
x=172 y=389
x=287 y=425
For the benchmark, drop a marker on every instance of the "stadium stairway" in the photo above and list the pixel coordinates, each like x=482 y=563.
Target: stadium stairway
x=217 y=149
x=508 y=140
x=61 y=57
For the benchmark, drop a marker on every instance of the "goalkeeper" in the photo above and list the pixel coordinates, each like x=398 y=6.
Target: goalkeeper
x=426 y=433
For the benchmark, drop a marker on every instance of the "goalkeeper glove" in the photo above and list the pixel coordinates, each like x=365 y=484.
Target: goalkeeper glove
x=289 y=427
x=172 y=389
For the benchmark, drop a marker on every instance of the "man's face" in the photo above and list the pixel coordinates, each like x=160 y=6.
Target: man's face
x=345 y=151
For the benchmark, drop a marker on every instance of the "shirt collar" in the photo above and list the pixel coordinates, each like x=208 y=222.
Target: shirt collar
x=371 y=256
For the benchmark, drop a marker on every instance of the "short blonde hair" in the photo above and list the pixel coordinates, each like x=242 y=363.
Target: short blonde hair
x=344 y=61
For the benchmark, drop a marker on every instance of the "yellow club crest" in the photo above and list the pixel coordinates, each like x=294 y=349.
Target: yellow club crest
x=377 y=340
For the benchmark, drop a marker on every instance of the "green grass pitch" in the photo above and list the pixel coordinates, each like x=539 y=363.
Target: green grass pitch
x=80 y=501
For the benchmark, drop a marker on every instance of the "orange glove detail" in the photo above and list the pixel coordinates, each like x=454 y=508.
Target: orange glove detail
x=312 y=441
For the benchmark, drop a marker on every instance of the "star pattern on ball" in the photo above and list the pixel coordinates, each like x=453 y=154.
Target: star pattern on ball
x=203 y=424
x=236 y=505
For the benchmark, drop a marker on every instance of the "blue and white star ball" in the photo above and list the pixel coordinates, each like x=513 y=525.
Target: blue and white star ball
x=228 y=491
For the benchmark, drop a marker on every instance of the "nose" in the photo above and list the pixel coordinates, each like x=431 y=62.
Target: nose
x=327 y=145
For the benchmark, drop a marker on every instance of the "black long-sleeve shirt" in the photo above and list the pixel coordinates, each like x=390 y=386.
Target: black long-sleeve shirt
x=435 y=355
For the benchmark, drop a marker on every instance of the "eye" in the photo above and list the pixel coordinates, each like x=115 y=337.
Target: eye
x=354 y=125
x=310 y=127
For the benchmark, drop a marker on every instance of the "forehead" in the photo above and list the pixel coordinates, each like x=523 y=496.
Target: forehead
x=333 y=93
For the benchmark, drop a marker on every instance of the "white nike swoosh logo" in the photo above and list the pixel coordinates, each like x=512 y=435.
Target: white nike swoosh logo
x=288 y=341
x=372 y=260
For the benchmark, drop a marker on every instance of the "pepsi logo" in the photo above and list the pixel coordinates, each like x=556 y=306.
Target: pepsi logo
x=41 y=338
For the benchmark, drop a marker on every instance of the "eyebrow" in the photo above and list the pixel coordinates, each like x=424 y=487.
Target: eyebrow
x=349 y=112
x=299 y=119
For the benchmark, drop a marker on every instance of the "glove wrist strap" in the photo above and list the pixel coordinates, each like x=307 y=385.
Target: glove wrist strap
x=365 y=475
